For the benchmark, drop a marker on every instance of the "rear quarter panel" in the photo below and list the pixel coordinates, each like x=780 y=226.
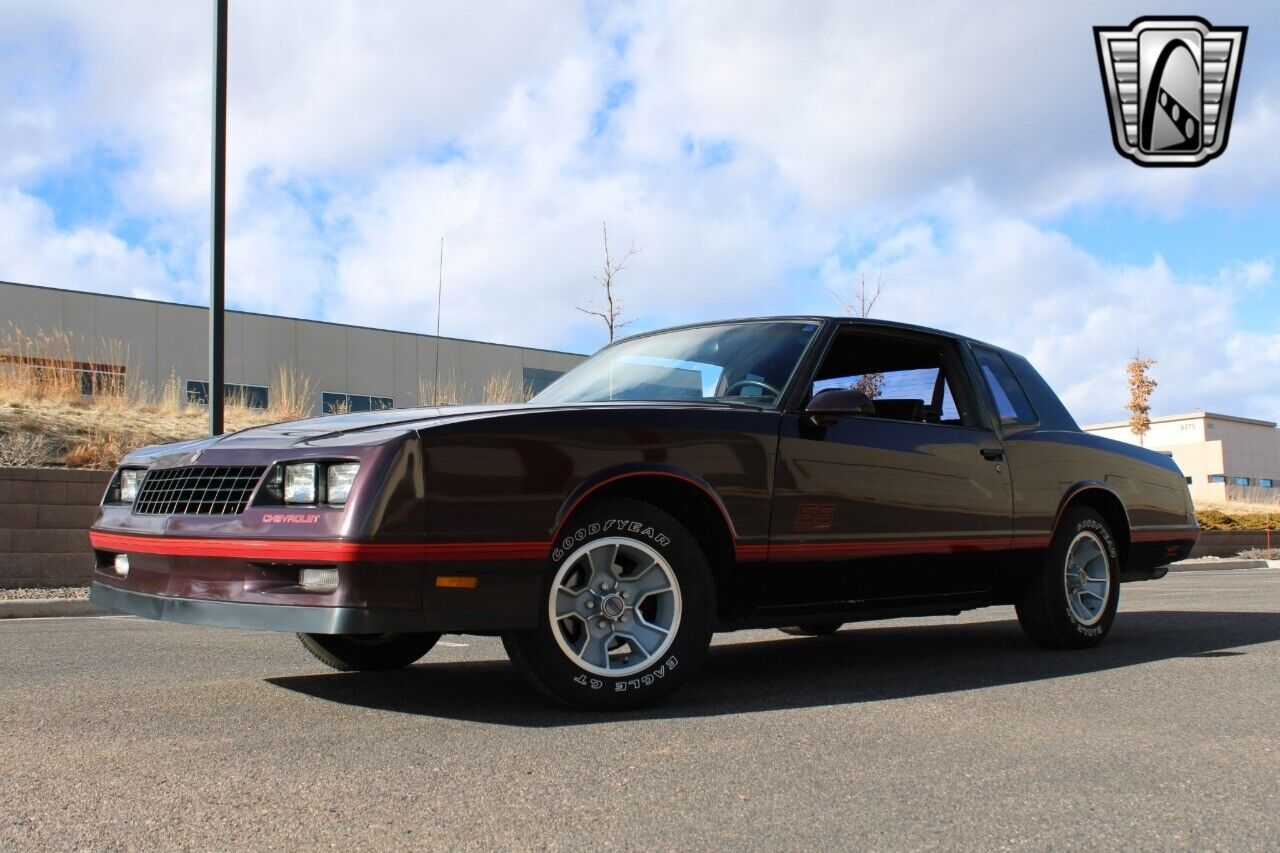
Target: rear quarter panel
x=1048 y=465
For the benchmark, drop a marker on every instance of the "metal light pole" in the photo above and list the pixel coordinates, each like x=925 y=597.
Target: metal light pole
x=217 y=242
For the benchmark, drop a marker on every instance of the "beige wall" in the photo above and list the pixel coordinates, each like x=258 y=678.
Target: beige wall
x=165 y=339
x=1204 y=444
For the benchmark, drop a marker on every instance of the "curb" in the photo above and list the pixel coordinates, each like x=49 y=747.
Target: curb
x=31 y=608
x=1222 y=565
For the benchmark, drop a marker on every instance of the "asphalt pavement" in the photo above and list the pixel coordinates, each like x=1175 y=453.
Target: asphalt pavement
x=117 y=733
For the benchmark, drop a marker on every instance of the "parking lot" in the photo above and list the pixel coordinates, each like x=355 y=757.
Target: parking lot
x=119 y=733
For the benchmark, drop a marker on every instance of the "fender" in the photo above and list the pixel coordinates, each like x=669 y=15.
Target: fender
x=612 y=475
x=1085 y=486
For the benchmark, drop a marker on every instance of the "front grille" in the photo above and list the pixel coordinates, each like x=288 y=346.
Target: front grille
x=197 y=490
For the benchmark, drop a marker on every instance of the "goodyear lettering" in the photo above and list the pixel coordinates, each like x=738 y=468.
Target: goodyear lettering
x=619 y=525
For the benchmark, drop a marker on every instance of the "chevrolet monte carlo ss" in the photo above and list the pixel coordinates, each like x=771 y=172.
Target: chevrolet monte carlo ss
x=798 y=473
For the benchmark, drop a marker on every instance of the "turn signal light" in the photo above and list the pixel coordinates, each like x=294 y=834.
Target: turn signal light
x=457 y=581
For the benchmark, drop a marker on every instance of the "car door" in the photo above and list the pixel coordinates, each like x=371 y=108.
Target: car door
x=908 y=503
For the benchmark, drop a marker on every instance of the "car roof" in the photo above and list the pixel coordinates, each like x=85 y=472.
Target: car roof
x=817 y=318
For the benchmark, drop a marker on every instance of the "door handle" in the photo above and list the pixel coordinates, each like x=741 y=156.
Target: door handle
x=992 y=454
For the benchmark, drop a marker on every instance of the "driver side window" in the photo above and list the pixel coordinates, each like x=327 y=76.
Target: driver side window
x=906 y=378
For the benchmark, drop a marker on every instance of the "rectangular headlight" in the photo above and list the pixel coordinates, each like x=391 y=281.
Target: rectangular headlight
x=341 y=476
x=129 y=480
x=300 y=483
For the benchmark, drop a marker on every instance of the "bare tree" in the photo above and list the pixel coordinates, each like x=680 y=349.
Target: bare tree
x=859 y=304
x=1140 y=387
x=610 y=310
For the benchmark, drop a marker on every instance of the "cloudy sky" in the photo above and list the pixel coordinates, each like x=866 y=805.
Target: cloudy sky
x=758 y=154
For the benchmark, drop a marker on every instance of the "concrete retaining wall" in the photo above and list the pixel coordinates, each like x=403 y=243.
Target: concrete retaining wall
x=1228 y=543
x=44 y=516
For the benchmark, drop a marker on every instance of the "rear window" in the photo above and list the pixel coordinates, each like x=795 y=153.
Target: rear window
x=1011 y=401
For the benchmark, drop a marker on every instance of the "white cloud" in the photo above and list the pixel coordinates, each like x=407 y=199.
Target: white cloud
x=34 y=250
x=1078 y=319
x=758 y=153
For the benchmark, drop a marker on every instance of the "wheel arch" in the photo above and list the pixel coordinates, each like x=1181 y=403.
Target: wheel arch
x=687 y=497
x=1102 y=499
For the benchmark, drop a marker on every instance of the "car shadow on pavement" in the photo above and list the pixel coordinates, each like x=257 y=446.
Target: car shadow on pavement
x=859 y=664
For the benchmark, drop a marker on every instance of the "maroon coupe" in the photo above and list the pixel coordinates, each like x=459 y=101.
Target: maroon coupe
x=794 y=472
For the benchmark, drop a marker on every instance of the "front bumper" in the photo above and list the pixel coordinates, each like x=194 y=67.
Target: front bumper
x=235 y=582
x=295 y=618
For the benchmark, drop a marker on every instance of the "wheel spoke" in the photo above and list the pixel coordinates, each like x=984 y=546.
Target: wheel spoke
x=595 y=650
x=649 y=637
x=651 y=581
x=1083 y=592
x=567 y=602
x=602 y=560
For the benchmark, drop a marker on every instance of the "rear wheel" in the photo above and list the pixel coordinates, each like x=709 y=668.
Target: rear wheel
x=1070 y=602
x=626 y=609
x=822 y=629
x=356 y=652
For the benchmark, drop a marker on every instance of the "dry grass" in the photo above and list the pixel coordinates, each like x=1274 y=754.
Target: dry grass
x=451 y=392
x=23 y=449
x=498 y=388
x=1230 y=518
x=46 y=420
x=503 y=388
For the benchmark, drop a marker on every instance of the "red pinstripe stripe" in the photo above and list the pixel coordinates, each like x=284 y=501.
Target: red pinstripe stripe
x=1175 y=534
x=319 y=550
x=902 y=547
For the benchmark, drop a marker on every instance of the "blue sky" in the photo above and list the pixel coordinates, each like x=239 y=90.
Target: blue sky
x=758 y=156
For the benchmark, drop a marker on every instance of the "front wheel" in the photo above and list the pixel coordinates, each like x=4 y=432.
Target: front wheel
x=1071 y=600
x=626 y=609
x=358 y=652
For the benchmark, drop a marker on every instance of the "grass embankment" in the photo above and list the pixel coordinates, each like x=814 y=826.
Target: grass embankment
x=1241 y=516
x=46 y=420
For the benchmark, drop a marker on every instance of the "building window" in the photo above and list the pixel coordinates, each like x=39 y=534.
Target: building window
x=93 y=378
x=536 y=379
x=1267 y=483
x=1240 y=481
x=336 y=403
x=1217 y=478
x=249 y=396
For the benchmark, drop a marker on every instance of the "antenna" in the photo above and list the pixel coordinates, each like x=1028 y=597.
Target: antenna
x=435 y=386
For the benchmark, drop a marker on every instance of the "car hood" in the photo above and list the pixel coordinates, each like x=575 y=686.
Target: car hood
x=370 y=428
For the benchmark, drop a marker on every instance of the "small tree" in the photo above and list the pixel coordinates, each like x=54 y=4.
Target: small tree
x=610 y=309
x=1140 y=387
x=859 y=304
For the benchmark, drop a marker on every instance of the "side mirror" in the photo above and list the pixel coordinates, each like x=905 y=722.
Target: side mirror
x=839 y=401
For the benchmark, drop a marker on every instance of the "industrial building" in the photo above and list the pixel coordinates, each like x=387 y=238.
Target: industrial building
x=351 y=368
x=1224 y=457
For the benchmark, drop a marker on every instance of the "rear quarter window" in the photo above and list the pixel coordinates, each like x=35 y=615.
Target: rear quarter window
x=1012 y=404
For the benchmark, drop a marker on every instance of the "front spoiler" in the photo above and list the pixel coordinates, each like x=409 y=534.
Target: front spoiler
x=301 y=619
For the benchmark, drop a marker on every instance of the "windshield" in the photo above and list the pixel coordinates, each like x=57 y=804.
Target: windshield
x=743 y=362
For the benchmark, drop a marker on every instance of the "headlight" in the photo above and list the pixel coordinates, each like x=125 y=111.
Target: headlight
x=341 y=476
x=129 y=479
x=300 y=483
